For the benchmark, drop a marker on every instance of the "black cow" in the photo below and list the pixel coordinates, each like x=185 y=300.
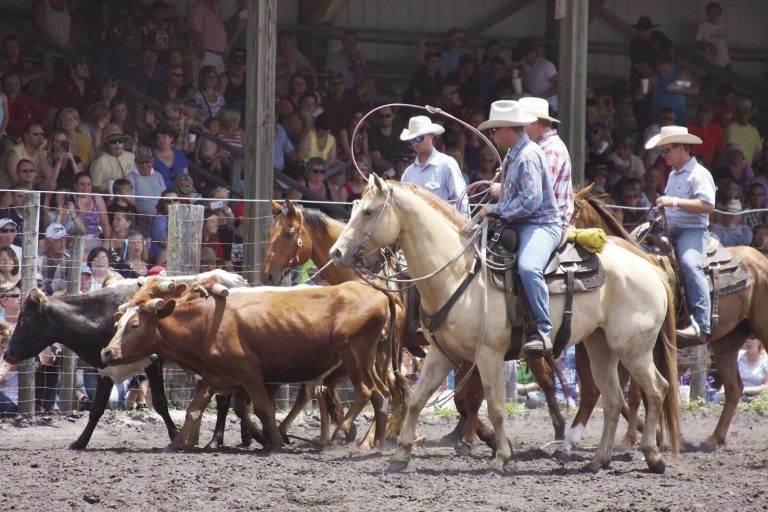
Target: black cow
x=86 y=324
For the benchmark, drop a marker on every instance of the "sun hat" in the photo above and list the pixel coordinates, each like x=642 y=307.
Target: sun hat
x=672 y=135
x=538 y=107
x=420 y=125
x=4 y=222
x=55 y=231
x=112 y=132
x=506 y=113
x=644 y=23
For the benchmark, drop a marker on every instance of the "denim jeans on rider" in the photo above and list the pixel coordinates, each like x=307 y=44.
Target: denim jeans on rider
x=537 y=242
x=690 y=247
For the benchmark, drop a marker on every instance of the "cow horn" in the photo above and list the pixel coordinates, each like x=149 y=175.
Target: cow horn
x=142 y=280
x=153 y=305
x=166 y=287
x=37 y=296
x=220 y=290
x=122 y=308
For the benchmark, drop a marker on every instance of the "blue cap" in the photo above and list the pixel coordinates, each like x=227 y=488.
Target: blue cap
x=85 y=269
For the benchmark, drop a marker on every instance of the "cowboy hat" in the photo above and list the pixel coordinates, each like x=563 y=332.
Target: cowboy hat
x=420 y=125
x=672 y=135
x=112 y=132
x=644 y=23
x=507 y=113
x=538 y=107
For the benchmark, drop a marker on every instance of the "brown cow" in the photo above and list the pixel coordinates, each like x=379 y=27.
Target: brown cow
x=262 y=336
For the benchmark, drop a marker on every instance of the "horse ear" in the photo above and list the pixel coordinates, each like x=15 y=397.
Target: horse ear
x=39 y=298
x=277 y=208
x=290 y=210
x=377 y=181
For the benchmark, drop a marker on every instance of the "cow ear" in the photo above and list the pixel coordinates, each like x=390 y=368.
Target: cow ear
x=167 y=310
x=180 y=289
x=38 y=298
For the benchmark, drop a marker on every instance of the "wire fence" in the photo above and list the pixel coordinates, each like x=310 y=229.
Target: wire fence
x=56 y=242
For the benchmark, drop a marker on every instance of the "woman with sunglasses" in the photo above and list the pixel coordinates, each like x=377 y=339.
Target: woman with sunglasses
x=314 y=180
x=319 y=142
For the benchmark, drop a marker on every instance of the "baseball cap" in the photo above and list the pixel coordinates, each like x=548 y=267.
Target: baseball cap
x=6 y=221
x=85 y=269
x=55 y=231
x=237 y=56
x=143 y=154
x=157 y=270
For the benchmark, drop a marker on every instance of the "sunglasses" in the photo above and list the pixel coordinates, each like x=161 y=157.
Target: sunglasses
x=172 y=200
x=318 y=171
x=116 y=142
x=8 y=230
x=665 y=151
x=494 y=130
x=418 y=139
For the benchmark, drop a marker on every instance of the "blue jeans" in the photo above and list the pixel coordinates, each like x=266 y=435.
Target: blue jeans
x=537 y=242
x=690 y=247
x=7 y=406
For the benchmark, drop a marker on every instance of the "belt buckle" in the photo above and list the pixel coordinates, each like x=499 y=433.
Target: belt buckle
x=496 y=237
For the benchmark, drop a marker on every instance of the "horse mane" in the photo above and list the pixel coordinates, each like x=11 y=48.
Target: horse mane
x=607 y=217
x=445 y=210
x=316 y=219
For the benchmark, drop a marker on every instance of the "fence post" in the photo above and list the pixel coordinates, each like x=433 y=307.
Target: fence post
x=185 y=237
x=29 y=282
x=67 y=401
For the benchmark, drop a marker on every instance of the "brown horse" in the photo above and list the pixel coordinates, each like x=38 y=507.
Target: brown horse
x=741 y=313
x=299 y=234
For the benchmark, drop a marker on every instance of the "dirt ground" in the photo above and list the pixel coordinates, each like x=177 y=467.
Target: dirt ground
x=127 y=467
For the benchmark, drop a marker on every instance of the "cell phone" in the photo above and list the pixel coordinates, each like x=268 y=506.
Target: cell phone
x=217 y=205
x=69 y=198
x=65 y=145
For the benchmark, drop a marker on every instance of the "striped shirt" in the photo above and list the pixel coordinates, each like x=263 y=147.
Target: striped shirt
x=559 y=172
x=527 y=193
x=441 y=176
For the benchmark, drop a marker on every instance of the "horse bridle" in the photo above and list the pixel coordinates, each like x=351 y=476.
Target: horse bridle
x=299 y=244
x=360 y=254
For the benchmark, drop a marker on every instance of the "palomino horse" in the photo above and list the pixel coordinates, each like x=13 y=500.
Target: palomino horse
x=619 y=322
x=741 y=313
x=299 y=234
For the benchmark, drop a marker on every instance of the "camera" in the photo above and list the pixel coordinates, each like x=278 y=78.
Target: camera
x=69 y=198
x=217 y=205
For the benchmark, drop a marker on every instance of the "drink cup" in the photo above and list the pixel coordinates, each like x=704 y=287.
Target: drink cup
x=515 y=73
x=517 y=83
x=644 y=83
x=685 y=393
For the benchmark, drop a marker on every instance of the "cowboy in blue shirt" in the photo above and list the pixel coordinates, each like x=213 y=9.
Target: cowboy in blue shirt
x=528 y=205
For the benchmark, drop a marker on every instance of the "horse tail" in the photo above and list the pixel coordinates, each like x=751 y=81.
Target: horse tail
x=665 y=355
x=399 y=387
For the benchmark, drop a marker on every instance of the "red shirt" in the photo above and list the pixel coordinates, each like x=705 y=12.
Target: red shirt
x=22 y=111
x=65 y=93
x=712 y=135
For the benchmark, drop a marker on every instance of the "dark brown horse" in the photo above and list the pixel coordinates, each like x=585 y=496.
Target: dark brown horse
x=741 y=313
x=299 y=234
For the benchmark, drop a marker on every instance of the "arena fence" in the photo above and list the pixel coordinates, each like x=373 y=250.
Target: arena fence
x=183 y=248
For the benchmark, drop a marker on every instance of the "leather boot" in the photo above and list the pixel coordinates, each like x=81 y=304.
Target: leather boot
x=538 y=345
x=690 y=333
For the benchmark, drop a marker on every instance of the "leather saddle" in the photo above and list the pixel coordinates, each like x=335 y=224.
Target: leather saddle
x=725 y=272
x=571 y=269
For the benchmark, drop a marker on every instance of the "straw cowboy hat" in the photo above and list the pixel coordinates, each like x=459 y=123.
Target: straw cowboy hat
x=538 y=107
x=506 y=113
x=420 y=125
x=672 y=135
x=112 y=132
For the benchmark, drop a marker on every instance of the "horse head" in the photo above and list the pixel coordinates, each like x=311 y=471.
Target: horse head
x=372 y=225
x=289 y=244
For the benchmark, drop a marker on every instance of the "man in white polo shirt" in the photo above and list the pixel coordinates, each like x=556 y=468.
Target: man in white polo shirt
x=433 y=170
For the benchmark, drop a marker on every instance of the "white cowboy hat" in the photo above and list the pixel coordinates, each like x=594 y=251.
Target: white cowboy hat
x=672 y=135
x=506 y=113
x=538 y=107
x=420 y=125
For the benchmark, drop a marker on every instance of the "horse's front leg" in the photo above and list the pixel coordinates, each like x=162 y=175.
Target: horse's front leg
x=436 y=367
x=491 y=367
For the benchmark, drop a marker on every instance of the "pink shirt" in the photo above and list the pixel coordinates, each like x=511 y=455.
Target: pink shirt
x=208 y=26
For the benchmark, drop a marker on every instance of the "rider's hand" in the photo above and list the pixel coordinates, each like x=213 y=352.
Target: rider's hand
x=495 y=190
x=485 y=211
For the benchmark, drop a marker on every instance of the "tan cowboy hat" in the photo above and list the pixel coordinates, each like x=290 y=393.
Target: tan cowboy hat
x=538 y=107
x=420 y=125
x=112 y=132
x=672 y=135
x=506 y=113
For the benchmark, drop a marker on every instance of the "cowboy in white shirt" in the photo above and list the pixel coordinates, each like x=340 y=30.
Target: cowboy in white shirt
x=433 y=170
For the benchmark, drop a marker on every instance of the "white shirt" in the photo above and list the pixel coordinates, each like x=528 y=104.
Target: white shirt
x=538 y=75
x=341 y=63
x=441 y=176
x=708 y=32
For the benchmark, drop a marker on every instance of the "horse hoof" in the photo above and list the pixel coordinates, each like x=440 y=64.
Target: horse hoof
x=496 y=466
x=396 y=466
x=491 y=443
x=352 y=434
x=561 y=455
x=463 y=448
x=708 y=446
x=78 y=445
x=593 y=467
x=657 y=467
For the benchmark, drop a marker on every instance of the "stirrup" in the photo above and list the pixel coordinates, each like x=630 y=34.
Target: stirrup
x=538 y=345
